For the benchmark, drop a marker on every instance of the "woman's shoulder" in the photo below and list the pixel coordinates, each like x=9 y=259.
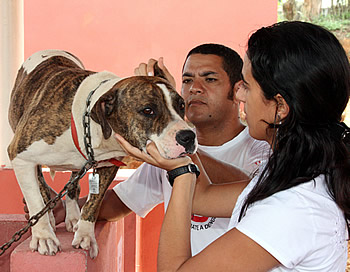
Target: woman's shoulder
x=307 y=197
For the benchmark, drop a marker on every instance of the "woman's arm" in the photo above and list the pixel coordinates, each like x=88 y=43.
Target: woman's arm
x=175 y=240
x=233 y=251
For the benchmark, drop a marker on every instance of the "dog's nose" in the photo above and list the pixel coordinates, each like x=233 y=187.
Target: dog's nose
x=186 y=138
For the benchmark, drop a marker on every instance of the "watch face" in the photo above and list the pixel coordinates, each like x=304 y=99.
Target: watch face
x=194 y=169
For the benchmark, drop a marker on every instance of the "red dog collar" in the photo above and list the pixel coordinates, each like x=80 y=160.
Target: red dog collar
x=76 y=143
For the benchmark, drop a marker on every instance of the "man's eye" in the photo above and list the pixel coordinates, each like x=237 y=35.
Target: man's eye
x=186 y=80
x=210 y=79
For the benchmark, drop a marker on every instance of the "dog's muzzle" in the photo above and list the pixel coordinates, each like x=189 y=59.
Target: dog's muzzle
x=186 y=138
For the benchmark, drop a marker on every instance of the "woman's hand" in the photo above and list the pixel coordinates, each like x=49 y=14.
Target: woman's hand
x=153 y=157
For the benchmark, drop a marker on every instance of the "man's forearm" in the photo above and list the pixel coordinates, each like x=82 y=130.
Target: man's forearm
x=112 y=208
x=219 y=171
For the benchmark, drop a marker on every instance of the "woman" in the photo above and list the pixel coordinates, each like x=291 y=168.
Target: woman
x=293 y=215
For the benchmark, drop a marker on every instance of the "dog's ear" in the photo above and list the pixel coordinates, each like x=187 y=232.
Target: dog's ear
x=164 y=74
x=101 y=110
x=158 y=72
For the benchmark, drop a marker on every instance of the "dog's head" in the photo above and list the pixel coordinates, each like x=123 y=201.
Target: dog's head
x=144 y=108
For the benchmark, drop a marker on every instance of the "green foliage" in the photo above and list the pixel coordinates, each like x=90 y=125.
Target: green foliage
x=336 y=19
x=332 y=23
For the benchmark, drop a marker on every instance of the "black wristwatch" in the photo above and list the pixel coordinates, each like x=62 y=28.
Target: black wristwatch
x=190 y=168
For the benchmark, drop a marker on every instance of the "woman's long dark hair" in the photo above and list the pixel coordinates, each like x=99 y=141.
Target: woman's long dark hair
x=308 y=66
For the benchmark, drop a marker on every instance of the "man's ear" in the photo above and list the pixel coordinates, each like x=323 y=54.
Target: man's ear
x=282 y=106
x=101 y=110
x=235 y=90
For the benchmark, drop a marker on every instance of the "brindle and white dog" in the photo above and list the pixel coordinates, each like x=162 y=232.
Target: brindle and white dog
x=48 y=101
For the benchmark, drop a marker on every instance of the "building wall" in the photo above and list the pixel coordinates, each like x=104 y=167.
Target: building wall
x=118 y=35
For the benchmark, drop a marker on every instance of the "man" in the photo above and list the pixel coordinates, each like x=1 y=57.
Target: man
x=210 y=78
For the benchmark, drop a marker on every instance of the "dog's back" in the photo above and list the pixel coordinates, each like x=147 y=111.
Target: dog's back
x=42 y=97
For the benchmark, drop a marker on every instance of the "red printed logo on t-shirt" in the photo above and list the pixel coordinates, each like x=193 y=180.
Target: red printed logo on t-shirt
x=198 y=218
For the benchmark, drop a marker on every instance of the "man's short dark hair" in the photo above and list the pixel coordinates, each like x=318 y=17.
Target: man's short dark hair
x=231 y=61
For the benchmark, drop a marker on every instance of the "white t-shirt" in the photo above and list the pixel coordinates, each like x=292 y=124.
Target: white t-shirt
x=149 y=186
x=302 y=227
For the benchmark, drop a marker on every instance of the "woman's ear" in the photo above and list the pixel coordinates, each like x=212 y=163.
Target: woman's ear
x=282 y=106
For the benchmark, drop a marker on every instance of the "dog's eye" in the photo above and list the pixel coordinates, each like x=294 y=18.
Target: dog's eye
x=182 y=106
x=148 y=111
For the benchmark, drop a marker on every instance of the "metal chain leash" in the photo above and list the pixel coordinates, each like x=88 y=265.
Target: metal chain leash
x=87 y=131
x=49 y=206
x=86 y=125
x=90 y=163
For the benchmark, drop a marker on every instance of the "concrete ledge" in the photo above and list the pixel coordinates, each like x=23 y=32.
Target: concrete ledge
x=109 y=236
x=9 y=225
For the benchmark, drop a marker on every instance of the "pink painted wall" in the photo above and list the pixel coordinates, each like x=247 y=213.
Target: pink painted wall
x=118 y=35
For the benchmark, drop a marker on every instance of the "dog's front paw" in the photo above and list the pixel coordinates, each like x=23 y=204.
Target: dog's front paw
x=72 y=214
x=84 y=237
x=44 y=240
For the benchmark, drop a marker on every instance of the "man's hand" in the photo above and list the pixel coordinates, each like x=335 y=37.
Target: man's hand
x=148 y=70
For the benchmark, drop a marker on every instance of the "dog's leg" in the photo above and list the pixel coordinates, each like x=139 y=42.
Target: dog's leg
x=45 y=193
x=44 y=239
x=72 y=207
x=84 y=236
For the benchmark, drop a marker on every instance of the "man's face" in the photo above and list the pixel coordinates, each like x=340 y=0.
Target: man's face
x=205 y=89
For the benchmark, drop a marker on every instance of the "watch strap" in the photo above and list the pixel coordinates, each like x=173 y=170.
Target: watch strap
x=190 y=168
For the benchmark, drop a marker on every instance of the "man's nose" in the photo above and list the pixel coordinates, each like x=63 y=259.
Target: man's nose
x=196 y=87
